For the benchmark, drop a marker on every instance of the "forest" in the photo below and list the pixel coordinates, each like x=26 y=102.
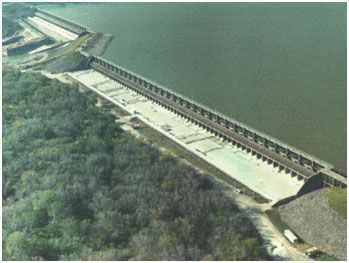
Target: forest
x=10 y=13
x=77 y=187
x=9 y=27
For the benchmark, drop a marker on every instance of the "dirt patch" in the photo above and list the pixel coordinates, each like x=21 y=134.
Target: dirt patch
x=98 y=44
x=312 y=219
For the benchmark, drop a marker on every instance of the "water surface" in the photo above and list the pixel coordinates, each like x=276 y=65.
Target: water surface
x=278 y=67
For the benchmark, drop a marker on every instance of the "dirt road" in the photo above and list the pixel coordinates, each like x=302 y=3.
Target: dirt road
x=60 y=76
x=275 y=243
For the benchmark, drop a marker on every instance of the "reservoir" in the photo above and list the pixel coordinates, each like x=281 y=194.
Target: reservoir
x=278 y=67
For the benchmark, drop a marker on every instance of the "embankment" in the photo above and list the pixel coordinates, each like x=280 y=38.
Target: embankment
x=98 y=44
x=312 y=219
x=95 y=45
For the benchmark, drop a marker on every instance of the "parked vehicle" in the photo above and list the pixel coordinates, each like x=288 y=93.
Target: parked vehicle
x=312 y=252
x=237 y=190
x=291 y=237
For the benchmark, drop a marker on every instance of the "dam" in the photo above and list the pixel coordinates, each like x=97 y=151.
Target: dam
x=241 y=59
x=310 y=171
x=275 y=152
x=64 y=23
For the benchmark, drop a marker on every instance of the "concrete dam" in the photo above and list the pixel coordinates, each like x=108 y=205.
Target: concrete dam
x=276 y=153
x=61 y=22
x=312 y=171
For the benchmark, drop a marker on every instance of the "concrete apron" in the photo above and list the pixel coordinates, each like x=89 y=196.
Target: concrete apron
x=254 y=173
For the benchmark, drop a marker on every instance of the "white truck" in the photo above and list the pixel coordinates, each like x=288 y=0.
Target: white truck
x=291 y=237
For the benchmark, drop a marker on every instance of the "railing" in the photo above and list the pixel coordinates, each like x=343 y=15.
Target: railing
x=219 y=117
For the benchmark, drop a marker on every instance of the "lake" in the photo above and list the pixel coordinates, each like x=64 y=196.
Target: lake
x=278 y=67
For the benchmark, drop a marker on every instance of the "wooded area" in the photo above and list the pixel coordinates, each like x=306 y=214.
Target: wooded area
x=11 y=12
x=9 y=27
x=76 y=187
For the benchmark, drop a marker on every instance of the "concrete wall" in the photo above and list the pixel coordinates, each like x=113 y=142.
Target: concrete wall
x=27 y=46
x=271 y=145
x=61 y=22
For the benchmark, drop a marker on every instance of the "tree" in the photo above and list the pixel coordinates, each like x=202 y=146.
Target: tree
x=76 y=187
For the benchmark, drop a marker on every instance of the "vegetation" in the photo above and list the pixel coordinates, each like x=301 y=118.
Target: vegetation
x=275 y=218
x=78 y=42
x=326 y=257
x=160 y=140
x=11 y=12
x=338 y=200
x=76 y=187
x=9 y=27
x=17 y=10
x=66 y=59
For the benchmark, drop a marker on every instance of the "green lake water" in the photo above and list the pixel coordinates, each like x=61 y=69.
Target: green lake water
x=278 y=67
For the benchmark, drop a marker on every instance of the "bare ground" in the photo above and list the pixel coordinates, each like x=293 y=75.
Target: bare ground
x=311 y=218
x=98 y=44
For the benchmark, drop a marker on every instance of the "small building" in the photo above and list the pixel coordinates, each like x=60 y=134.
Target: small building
x=291 y=237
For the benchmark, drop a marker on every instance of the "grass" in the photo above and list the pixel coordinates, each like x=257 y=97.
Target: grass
x=70 y=54
x=77 y=43
x=275 y=218
x=326 y=257
x=160 y=140
x=338 y=200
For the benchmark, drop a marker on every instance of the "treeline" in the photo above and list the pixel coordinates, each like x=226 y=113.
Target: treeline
x=17 y=10
x=10 y=13
x=76 y=187
x=9 y=27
